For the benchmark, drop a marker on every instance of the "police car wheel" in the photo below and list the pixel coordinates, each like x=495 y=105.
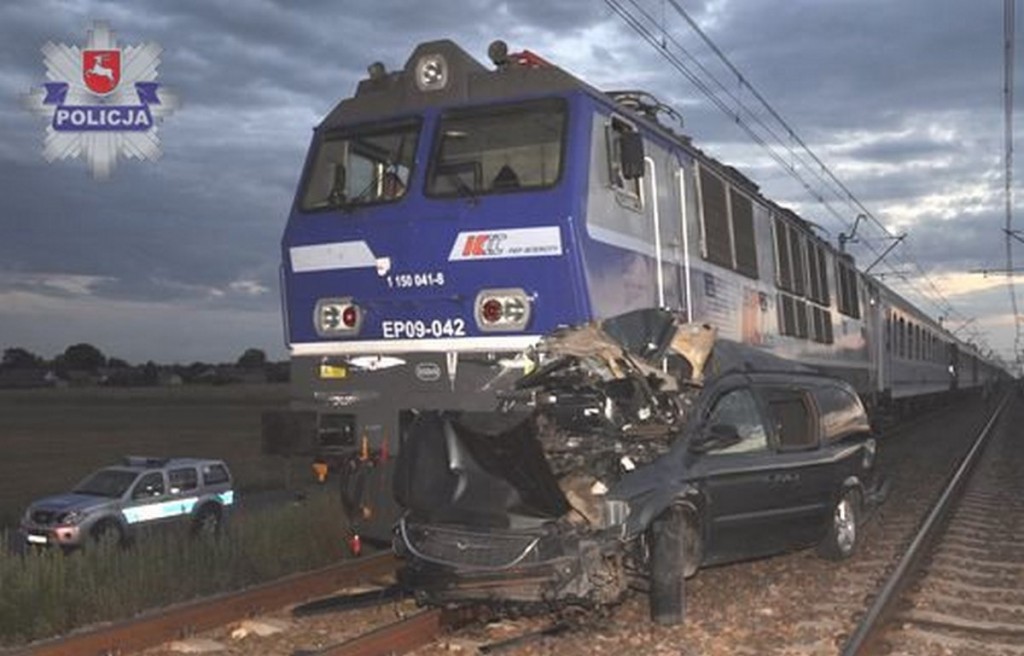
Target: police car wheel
x=107 y=535
x=207 y=522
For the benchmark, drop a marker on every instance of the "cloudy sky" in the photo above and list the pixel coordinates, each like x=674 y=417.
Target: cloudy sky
x=177 y=260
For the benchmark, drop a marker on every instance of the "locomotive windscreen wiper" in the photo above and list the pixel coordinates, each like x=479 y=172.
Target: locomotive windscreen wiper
x=336 y=197
x=462 y=189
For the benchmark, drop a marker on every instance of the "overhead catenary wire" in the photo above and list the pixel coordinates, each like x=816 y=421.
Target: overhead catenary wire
x=769 y=130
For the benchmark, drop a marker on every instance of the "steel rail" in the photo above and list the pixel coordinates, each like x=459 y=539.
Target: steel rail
x=863 y=639
x=182 y=620
x=405 y=635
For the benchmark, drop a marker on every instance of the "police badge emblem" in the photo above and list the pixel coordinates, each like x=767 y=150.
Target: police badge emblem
x=102 y=101
x=101 y=70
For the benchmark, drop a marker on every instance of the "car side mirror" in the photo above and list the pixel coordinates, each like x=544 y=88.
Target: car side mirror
x=631 y=155
x=719 y=436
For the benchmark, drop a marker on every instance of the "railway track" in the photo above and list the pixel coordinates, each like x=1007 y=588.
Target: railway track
x=190 y=618
x=958 y=588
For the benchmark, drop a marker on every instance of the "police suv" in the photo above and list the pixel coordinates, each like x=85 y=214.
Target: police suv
x=113 y=503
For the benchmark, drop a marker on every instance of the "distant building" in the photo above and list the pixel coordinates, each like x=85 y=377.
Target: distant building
x=27 y=378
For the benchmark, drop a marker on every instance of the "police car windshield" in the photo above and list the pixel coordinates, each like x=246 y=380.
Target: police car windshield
x=362 y=166
x=107 y=483
x=498 y=149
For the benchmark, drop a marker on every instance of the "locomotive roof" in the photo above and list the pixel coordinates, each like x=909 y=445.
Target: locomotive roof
x=468 y=81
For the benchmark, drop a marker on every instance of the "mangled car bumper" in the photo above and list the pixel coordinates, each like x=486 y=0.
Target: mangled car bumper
x=455 y=564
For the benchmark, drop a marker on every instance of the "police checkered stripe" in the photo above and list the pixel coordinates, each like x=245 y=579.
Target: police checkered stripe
x=167 y=509
x=162 y=510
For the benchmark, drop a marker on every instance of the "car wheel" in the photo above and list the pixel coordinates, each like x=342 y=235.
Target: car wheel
x=107 y=535
x=672 y=556
x=841 y=540
x=207 y=522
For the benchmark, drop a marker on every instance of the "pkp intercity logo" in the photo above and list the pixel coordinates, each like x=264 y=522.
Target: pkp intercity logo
x=102 y=101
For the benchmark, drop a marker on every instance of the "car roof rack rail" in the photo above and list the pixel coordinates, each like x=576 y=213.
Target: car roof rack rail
x=144 y=461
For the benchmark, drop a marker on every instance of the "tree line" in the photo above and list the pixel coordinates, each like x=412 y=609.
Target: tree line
x=84 y=358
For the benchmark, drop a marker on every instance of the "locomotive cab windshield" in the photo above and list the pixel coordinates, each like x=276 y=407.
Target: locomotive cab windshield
x=497 y=149
x=362 y=166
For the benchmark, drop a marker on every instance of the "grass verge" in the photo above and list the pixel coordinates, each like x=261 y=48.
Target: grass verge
x=47 y=593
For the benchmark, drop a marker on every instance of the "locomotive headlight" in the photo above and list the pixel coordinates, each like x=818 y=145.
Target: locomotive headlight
x=337 y=316
x=431 y=73
x=502 y=309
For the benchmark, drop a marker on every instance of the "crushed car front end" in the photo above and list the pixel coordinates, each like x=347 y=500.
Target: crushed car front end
x=551 y=564
x=519 y=505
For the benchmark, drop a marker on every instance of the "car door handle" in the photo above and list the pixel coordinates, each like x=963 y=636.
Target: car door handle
x=783 y=479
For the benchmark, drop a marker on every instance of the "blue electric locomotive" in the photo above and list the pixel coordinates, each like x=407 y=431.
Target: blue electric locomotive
x=450 y=214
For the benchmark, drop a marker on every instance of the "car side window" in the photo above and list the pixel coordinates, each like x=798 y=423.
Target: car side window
x=213 y=474
x=183 y=480
x=738 y=409
x=792 y=421
x=150 y=485
x=841 y=413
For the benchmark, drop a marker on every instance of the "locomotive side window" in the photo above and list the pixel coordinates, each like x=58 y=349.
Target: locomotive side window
x=499 y=149
x=743 y=230
x=362 y=166
x=727 y=219
x=627 y=190
x=796 y=252
x=800 y=274
x=783 y=268
x=817 y=277
x=715 y=212
x=846 y=277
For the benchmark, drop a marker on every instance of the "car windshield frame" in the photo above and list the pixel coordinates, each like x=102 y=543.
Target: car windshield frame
x=498 y=162
x=377 y=164
x=111 y=483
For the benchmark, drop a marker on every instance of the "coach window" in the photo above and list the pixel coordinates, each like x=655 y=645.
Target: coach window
x=498 y=149
x=627 y=190
x=361 y=166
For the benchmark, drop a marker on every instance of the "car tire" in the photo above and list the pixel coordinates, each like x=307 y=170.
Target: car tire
x=107 y=534
x=671 y=556
x=207 y=522
x=841 y=540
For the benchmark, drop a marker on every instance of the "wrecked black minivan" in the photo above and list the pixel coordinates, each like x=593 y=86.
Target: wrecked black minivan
x=638 y=449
